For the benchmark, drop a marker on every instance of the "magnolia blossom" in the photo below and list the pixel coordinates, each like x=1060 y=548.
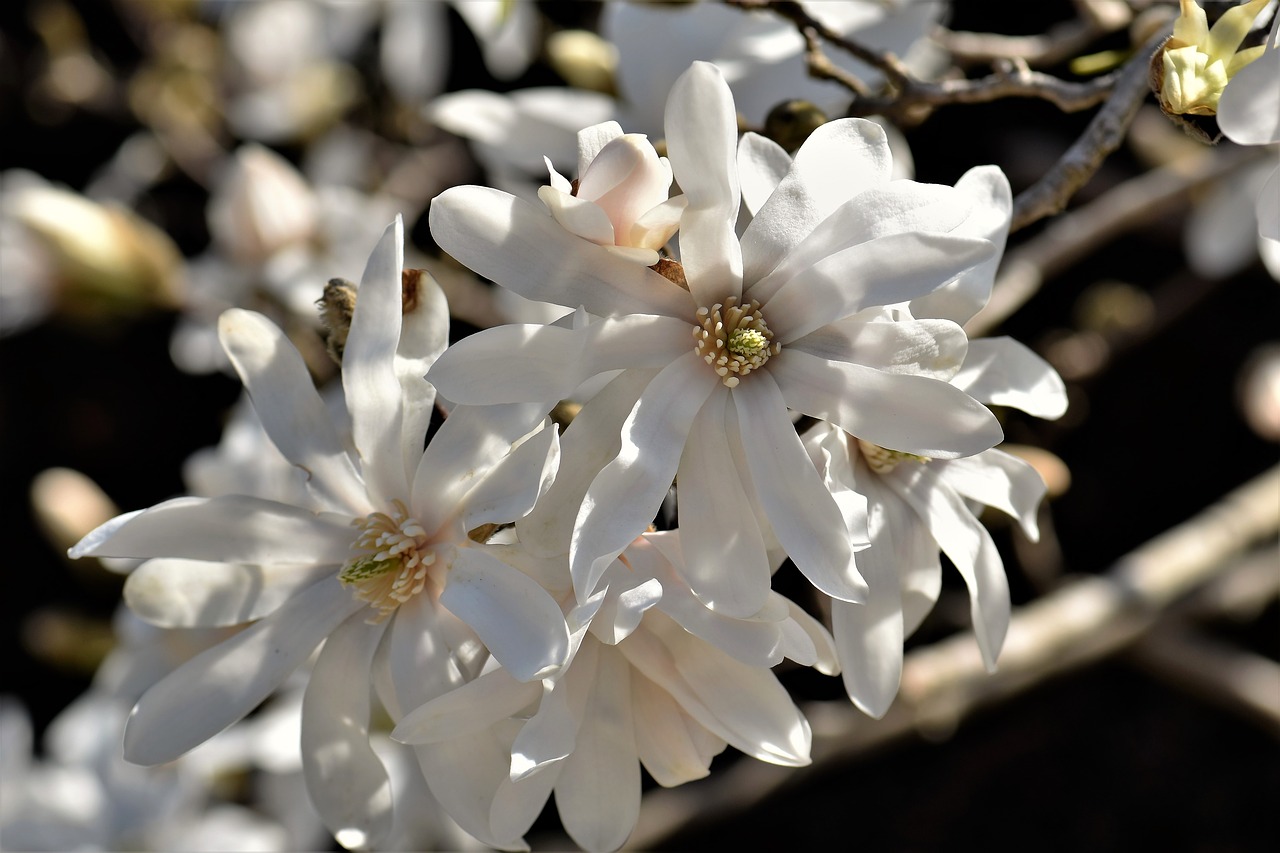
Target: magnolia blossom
x=655 y=679
x=377 y=560
x=1199 y=60
x=725 y=343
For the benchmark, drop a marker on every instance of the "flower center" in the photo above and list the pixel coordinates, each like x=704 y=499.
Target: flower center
x=883 y=460
x=734 y=339
x=389 y=561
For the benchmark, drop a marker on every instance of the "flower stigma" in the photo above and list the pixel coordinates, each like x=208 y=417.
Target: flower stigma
x=882 y=460
x=390 y=560
x=734 y=339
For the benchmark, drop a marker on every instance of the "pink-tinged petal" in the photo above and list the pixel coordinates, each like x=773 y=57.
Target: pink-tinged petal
x=895 y=208
x=512 y=486
x=516 y=364
x=631 y=254
x=869 y=636
x=592 y=139
x=989 y=219
x=762 y=164
x=1004 y=372
x=548 y=736
x=999 y=480
x=654 y=227
x=933 y=348
x=913 y=414
x=663 y=740
x=517 y=620
x=175 y=593
x=626 y=179
x=470 y=708
x=725 y=561
x=523 y=249
x=291 y=412
x=424 y=335
x=883 y=271
x=598 y=793
x=222 y=684
x=968 y=544
x=578 y=216
x=472 y=440
x=346 y=781
x=590 y=443
x=702 y=135
x=837 y=162
x=227 y=529
x=625 y=495
x=369 y=379
x=804 y=516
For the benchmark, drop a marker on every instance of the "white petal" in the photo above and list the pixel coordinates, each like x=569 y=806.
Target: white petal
x=592 y=139
x=547 y=737
x=517 y=620
x=804 y=517
x=227 y=529
x=725 y=561
x=626 y=179
x=933 y=348
x=663 y=740
x=369 y=379
x=702 y=135
x=424 y=334
x=655 y=226
x=470 y=708
x=1249 y=109
x=625 y=495
x=997 y=479
x=578 y=216
x=624 y=603
x=346 y=780
x=883 y=271
x=1004 y=372
x=824 y=657
x=598 y=793
x=516 y=805
x=512 y=486
x=289 y=408
x=762 y=164
x=419 y=661
x=464 y=774
x=838 y=161
x=222 y=684
x=913 y=414
x=198 y=594
x=521 y=248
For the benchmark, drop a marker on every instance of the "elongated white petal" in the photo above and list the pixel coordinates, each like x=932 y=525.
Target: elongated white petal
x=933 y=348
x=804 y=517
x=968 y=544
x=512 y=486
x=222 y=684
x=176 y=593
x=592 y=139
x=226 y=529
x=369 y=379
x=598 y=793
x=523 y=249
x=346 y=780
x=913 y=414
x=920 y=572
x=467 y=709
x=824 y=658
x=626 y=494
x=882 y=271
x=1004 y=372
x=725 y=561
x=838 y=161
x=464 y=774
x=517 y=804
x=515 y=364
x=624 y=603
x=419 y=662
x=762 y=164
x=291 y=412
x=663 y=740
x=1249 y=109
x=517 y=620
x=997 y=479
x=702 y=135
x=548 y=736
x=578 y=216
x=424 y=334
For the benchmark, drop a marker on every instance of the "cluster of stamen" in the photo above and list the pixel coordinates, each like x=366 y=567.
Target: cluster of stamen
x=390 y=560
x=883 y=460
x=734 y=339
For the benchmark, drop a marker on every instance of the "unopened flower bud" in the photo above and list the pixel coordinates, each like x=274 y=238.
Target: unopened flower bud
x=790 y=123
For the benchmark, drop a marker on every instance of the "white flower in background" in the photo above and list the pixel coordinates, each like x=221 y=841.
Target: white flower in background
x=756 y=326
x=656 y=679
x=377 y=562
x=915 y=506
x=1249 y=114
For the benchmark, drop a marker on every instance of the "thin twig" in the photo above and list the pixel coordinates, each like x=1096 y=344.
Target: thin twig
x=941 y=684
x=1104 y=134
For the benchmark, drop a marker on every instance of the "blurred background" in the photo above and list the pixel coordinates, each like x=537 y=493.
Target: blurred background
x=165 y=159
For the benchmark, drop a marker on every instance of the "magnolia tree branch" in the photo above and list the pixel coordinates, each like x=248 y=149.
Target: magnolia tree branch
x=1057 y=44
x=1082 y=622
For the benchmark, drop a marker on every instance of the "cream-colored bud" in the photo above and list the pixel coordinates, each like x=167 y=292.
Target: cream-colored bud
x=1196 y=63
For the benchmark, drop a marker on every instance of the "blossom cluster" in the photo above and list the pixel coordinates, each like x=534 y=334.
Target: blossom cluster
x=779 y=336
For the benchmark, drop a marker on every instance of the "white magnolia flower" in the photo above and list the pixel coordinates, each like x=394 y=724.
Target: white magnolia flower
x=744 y=330
x=915 y=506
x=377 y=561
x=656 y=679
